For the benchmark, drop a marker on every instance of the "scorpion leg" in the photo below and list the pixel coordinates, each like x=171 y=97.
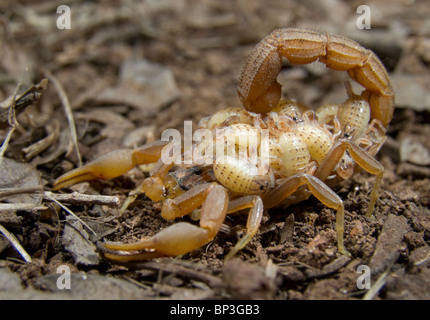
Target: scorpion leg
x=320 y=190
x=112 y=164
x=362 y=158
x=181 y=237
x=254 y=219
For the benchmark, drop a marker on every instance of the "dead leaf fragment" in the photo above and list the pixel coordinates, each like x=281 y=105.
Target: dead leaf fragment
x=18 y=175
x=76 y=241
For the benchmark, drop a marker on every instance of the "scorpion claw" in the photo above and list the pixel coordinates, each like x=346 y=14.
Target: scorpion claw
x=175 y=240
x=111 y=165
x=182 y=237
x=72 y=177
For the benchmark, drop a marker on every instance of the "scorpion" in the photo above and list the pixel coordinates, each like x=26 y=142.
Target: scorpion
x=307 y=151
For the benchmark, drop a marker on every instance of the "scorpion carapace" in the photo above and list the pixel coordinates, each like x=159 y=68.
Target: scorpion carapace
x=275 y=153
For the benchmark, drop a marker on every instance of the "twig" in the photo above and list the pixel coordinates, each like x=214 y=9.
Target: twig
x=7 y=192
x=28 y=98
x=377 y=286
x=43 y=144
x=420 y=262
x=72 y=198
x=21 y=206
x=15 y=243
x=211 y=280
x=69 y=114
x=72 y=213
x=6 y=142
x=79 y=198
x=330 y=268
x=11 y=119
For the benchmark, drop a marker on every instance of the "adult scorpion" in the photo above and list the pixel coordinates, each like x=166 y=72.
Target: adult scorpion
x=289 y=152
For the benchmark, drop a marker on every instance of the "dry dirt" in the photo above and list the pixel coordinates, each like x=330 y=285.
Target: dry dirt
x=132 y=69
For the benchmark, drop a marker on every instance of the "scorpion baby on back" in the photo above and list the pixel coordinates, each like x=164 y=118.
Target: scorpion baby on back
x=289 y=152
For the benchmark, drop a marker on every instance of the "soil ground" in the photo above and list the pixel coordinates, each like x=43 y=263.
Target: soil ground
x=132 y=69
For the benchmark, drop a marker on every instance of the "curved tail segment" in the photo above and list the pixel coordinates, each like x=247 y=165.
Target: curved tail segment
x=260 y=92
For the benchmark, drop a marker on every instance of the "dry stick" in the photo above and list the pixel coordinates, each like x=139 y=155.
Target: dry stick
x=420 y=262
x=73 y=198
x=43 y=144
x=12 y=124
x=377 y=286
x=29 y=97
x=6 y=142
x=79 y=198
x=72 y=213
x=7 y=192
x=69 y=114
x=212 y=281
x=15 y=243
x=7 y=207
